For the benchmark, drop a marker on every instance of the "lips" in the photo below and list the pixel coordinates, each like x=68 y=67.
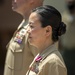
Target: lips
x=29 y=37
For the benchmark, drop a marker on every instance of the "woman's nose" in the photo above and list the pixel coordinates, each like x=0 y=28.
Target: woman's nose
x=28 y=30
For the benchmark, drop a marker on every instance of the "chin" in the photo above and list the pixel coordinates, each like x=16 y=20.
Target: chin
x=33 y=44
x=14 y=9
x=30 y=42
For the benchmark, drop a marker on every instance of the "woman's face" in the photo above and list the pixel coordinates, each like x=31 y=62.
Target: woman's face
x=36 y=32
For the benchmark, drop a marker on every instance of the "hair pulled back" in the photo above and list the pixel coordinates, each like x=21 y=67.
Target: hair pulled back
x=51 y=16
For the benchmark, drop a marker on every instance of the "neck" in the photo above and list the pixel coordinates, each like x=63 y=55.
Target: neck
x=25 y=16
x=44 y=45
x=24 y=13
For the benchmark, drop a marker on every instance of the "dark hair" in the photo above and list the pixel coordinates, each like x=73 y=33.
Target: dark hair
x=51 y=16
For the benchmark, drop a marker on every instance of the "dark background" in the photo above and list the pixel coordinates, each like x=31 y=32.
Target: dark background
x=9 y=21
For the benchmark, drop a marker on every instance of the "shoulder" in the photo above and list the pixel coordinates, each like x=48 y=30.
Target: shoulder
x=54 y=59
x=21 y=24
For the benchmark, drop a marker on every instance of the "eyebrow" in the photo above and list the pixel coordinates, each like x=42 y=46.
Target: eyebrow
x=31 y=22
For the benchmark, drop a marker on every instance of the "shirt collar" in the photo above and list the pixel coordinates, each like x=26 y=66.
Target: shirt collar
x=46 y=52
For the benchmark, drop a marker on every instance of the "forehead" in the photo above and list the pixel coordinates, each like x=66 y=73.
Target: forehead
x=34 y=16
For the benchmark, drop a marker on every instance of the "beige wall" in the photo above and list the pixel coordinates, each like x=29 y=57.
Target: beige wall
x=59 y=4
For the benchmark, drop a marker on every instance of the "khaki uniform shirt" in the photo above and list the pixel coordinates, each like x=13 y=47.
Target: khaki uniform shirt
x=49 y=62
x=20 y=54
x=68 y=39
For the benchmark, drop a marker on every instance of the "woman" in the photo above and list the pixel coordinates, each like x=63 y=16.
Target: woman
x=45 y=27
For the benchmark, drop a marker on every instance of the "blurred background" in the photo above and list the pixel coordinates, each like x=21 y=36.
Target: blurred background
x=9 y=21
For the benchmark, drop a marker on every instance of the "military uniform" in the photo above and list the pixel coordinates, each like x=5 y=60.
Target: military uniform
x=20 y=54
x=49 y=62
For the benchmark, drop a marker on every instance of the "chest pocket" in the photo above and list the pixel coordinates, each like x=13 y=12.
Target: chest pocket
x=14 y=58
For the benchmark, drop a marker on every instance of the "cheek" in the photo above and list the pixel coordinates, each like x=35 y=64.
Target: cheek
x=34 y=33
x=38 y=34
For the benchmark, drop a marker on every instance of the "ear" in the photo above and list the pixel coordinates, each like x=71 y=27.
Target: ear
x=48 y=30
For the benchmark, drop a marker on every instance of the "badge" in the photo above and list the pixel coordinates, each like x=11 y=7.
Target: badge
x=34 y=68
x=19 y=36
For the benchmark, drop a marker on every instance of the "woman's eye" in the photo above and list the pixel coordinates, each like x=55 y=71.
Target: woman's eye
x=31 y=27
